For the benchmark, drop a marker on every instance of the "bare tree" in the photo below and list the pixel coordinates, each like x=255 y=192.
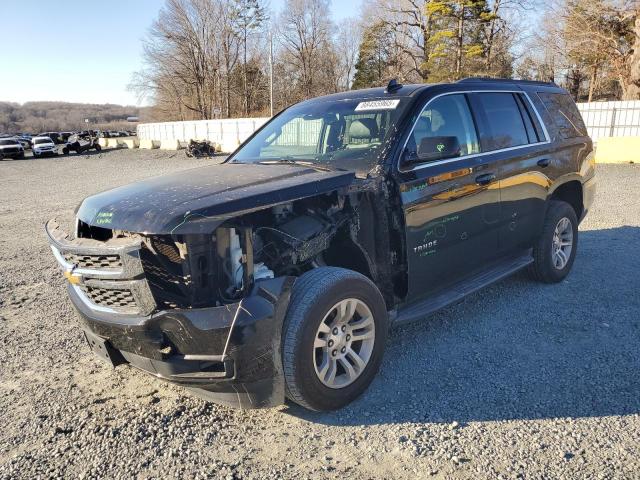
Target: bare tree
x=305 y=38
x=349 y=33
x=184 y=52
x=594 y=39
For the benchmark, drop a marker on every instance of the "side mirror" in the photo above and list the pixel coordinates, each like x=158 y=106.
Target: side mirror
x=434 y=148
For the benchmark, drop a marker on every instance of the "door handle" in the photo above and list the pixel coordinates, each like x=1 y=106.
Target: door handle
x=544 y=162
x=485 y=179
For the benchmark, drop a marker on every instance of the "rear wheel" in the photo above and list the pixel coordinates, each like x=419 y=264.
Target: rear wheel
x=333 y=339
x=555 y=251
x=97 y=147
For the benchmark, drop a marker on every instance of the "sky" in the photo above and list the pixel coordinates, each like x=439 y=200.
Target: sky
x=83 y=50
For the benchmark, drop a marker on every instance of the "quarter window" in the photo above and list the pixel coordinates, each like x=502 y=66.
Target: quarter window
x=565 y=114
x=444 y=129
x=506 y=127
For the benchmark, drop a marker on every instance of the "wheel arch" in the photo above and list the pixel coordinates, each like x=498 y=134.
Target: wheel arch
x=571 y=192
x=344 y=252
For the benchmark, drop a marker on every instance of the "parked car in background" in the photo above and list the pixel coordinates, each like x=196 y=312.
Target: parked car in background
x=43 y=146
x=64 y=136
x=26 y=143
x=11 y=148
x=54 y=136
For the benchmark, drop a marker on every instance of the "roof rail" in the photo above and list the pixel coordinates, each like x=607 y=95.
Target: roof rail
x=506 y=80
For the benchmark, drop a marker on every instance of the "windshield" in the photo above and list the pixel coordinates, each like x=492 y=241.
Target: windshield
x=42 y=140
x=7 y=142
x=341 y=134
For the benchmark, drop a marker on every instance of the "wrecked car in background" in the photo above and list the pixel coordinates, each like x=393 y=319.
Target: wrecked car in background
x=279 y=272
x=81 y=142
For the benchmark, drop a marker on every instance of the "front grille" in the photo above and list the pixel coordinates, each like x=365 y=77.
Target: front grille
x=168 y=283
x=94 y=261
x=116 y=299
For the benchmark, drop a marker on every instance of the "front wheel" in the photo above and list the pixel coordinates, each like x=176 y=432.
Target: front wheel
x=555 y=250
x=333 y=339
x=97 y=147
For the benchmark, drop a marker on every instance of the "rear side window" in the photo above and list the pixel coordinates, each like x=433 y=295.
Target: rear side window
x=564 y=113
x=506 y=127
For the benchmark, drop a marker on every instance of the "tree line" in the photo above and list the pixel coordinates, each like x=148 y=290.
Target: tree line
x=37 y=117
x=214 y=58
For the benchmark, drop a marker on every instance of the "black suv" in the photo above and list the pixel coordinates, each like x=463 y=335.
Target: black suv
x=278 y=272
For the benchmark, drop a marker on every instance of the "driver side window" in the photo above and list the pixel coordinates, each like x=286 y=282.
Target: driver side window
x=444 y=129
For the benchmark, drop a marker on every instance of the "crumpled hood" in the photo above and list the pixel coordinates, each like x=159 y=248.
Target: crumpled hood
x=198 y=200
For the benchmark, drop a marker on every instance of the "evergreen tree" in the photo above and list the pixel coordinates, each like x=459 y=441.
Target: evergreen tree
x=250 y=15
x=374 y=57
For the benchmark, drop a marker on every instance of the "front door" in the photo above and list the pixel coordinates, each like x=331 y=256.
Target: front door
x=450 y=197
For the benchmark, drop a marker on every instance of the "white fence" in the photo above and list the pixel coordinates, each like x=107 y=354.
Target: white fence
x=228 y=133
x=603 y=119
x=611 y=119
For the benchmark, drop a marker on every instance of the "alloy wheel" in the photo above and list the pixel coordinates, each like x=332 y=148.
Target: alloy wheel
x=562 y=243
x=344 y=343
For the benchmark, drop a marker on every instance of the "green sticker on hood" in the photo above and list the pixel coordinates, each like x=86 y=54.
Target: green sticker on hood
x=104 y=218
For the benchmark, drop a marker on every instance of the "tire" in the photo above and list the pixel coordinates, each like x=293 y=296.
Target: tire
x=545 y=267
x=313 y=300
x=97 y=147
x=21 y=156
x=65 y=151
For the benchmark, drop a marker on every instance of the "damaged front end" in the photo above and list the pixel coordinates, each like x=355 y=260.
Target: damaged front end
x=190 y=309
x=189 y=277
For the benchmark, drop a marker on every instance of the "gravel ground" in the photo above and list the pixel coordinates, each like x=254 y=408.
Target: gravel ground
x=521 y=380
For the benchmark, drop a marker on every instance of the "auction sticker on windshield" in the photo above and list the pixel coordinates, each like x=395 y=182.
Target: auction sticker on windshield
x=377 y=105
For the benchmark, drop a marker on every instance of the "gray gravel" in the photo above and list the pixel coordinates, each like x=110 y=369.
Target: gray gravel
x=521 y=380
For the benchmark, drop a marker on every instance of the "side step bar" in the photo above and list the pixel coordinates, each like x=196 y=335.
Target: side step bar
x=458 y=291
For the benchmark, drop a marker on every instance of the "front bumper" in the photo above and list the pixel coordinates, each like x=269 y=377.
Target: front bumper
x=51 y=151
x=14 y=155
x=228 y=354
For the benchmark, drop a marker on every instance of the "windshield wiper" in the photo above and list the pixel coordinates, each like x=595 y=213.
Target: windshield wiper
x=293 y=161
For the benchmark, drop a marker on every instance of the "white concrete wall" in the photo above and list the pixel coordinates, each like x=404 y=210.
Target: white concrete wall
x=603 y=119
x=229 y=133
x=611 y=119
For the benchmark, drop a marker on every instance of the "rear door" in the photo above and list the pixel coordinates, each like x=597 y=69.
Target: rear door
x=450 y=196
x=516 y=143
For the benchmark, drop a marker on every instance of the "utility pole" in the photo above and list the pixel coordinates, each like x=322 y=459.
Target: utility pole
x=271 y=71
